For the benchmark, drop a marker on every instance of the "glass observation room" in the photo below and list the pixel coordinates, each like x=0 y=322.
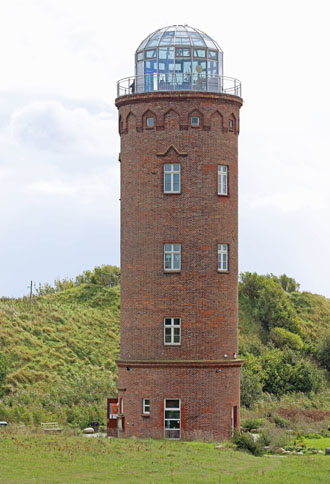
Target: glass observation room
x=178 y=58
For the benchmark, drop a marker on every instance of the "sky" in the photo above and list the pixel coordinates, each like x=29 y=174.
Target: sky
x=59 y=145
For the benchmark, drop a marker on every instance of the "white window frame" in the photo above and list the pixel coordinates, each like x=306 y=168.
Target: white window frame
x=192 y=123
x=168 y=435
x=171 y=327
x=223 y=259
x=152 y=123
x=223 y=179
x=171 y=170
x=173 y=252
x=146 y=406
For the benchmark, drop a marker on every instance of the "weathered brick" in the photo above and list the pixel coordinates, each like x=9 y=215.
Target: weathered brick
x=204 y=299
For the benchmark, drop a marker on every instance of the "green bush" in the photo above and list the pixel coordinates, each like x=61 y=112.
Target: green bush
x=283 y=338
x=281 y=422
x=286 y=372
x=251 y=387
x=252 y=423
x=323 y=353
x=245 y=441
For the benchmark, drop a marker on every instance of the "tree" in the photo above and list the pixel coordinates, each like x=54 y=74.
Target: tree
x=283 y=338
x=323 y=353
x=288 y=283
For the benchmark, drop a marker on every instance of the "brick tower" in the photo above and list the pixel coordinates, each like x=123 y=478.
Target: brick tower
x=179 y=374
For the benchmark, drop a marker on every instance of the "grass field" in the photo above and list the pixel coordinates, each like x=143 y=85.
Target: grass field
x=29 y=458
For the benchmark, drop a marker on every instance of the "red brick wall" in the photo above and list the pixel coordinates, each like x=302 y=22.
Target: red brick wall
x=198 y=219
x=207 y=398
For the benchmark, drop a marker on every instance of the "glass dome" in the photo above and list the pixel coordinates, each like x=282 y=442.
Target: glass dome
x=178 y=57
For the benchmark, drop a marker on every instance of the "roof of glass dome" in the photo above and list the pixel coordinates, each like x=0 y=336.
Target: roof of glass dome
x=179 y=35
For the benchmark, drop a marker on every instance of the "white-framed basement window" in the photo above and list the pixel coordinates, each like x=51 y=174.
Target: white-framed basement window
x=172 y=419
x=172 y=182
x=172 y=331
x=172 y=257
x=222 y=180
x=222 y=257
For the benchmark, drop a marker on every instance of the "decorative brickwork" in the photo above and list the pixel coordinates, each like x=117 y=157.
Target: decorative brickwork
x=202 y=371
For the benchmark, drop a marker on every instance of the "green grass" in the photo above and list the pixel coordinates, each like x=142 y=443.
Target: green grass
x=55 y=337
x=60 y=459
x=317 y=443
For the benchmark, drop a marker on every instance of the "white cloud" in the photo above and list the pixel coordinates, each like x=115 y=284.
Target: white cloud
x=51 y=126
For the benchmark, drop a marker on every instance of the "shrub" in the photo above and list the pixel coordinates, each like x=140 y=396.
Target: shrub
x=323 y=353
x=285 y=372
x=252 y=423
x=283 y=338
x=247 y=442
x=281 y=422
x=251 y=387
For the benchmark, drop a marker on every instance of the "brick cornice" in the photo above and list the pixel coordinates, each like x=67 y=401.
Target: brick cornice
x=179 y=363
x=176 y=96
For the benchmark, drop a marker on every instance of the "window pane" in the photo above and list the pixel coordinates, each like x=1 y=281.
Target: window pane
x=150 y=54
x=176 y=184
x=172 y=404
x=172 y=414
x=168 y=260
x=176 y=167
x=177 y=247
x=167 y=335
x=199 y=53
x=168 y=247
x=176 y=261
x=213 y=54
x=167 y=167
x=176 y=338
x=168 y=321
x=183 y=52
x=176 y=321
x=167 y=183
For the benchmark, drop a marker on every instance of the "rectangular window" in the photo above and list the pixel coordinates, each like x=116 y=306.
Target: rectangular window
x=231 y=124
x=222 y=257
x=172 y=257
x=172 y=419
x=172 y=178
x=151 y=54
x=222 y=180
x=213 y=54
x=194 y=121
x=199 y=53
x=172 y=331
x=146 y=406
x=150 y=122
x=182 y=52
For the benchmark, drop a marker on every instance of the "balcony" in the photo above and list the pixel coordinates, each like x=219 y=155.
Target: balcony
x=178 y=82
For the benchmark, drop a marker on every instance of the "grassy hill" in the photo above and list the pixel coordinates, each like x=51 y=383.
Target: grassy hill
x=59 y=336
x=61 y=347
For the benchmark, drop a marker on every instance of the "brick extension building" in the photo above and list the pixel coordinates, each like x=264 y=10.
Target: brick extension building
x=179 y=121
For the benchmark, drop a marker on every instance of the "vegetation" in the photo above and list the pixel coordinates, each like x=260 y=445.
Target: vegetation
x=36 y=458
x=58 y=350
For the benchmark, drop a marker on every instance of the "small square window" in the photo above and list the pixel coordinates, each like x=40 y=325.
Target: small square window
x=146 y=406
x=194 y=121
x=150 y=122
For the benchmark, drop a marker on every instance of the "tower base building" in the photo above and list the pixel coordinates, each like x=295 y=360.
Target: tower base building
x=179 y=372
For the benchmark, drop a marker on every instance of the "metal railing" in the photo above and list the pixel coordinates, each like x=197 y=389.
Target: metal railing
x=178 y=82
